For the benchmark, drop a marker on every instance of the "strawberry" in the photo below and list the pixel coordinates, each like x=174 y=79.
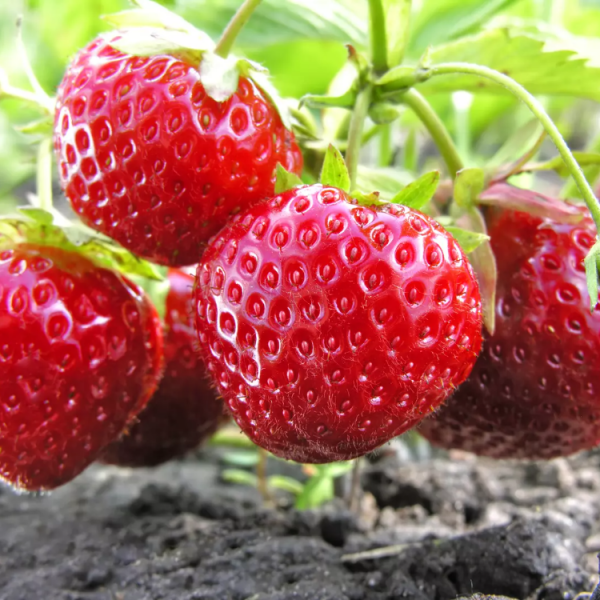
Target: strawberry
x=149 y=158
x=80 y=354
x=533 y=393
x=329 y=327
x=185 y=410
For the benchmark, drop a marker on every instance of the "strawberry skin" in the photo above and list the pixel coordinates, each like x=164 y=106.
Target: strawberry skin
x=533 y=393
x=148 y=158
x=185 y=409
x=80 y=355
x=330 y=328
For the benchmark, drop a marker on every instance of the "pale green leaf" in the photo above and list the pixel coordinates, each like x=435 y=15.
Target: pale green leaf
x=557 y=164
x=437 y=21
x=387 y=180
x=275 y=21
x=241 y=458
x=317 y=490
x=397 y=21
x=335 y=172
x=540 y=66
x=418 y=193
x=287 y=484
x=240 y=477
x=285 y=180
x=468 y=240
x=469 y=183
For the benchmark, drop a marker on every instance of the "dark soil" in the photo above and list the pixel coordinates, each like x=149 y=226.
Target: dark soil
x=457 y=527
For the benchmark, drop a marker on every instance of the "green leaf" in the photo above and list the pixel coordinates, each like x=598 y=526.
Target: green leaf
x=37 y=214
x=542 y=66
x=418 y=193
x=240 y=477
x=438 y=21
x=468 y=185
x=286 y=180
x=371 y=199
x=397 y=16
x=41 y=126
x=317 y=490
x=387 y=181
x=229 y=437
x=287 y=484
x=468 y=240
x=275 y=21
x=518 y=143
x=241 y=458
x=591 y=274
x=337 y=469
x=335 y=172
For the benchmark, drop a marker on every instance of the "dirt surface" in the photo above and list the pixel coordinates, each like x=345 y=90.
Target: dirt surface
x=458 y=527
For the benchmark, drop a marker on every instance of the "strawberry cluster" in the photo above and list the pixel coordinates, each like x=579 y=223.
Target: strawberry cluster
x=323 y=321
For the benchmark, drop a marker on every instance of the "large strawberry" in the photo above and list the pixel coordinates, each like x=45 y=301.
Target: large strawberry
x=533 y=393
x=80 y=354
x=149 y=157
x=330 y=327
x=185 y=410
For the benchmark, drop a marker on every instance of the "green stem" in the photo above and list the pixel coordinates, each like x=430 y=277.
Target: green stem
x=44 y=174
x=385 y=146
x=540 y=112
x=234 y=27
x=436 y=128
x=357 y=122
x=397 y=54
x=45 y=103
x=378 y=36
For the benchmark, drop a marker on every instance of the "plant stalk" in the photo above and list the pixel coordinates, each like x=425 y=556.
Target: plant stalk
x=540 y=112
x=378 y=36
x=417 y=102
x=357 y=122
x=241 y=17
x=44 y=174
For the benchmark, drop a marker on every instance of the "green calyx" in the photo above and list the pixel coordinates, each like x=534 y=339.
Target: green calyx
x=150 y=29
x=38 y=226
x=416 y=195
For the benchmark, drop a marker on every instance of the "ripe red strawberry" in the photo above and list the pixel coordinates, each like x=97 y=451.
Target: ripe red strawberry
x=331 y=328
x=80 y=354
x=533 y=393
x=185 y=409
x=148 y=158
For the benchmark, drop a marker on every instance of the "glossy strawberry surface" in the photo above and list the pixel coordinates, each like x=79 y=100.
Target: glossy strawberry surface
x=80 y=354
x=331 y=328
x=148 y=158
x=534 y=392
x=185 y=410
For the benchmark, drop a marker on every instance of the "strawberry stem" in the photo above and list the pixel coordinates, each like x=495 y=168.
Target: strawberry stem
x=378 y=36
x=44 y=174
x=241 y=17
x=43 y=98
x=540 y=112
x=417 y=102
x=357 y=122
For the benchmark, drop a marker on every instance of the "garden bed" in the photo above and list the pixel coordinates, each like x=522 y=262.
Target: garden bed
x=455 y=526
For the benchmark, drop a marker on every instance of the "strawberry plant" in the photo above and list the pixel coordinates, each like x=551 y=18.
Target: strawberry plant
x=375 y=252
